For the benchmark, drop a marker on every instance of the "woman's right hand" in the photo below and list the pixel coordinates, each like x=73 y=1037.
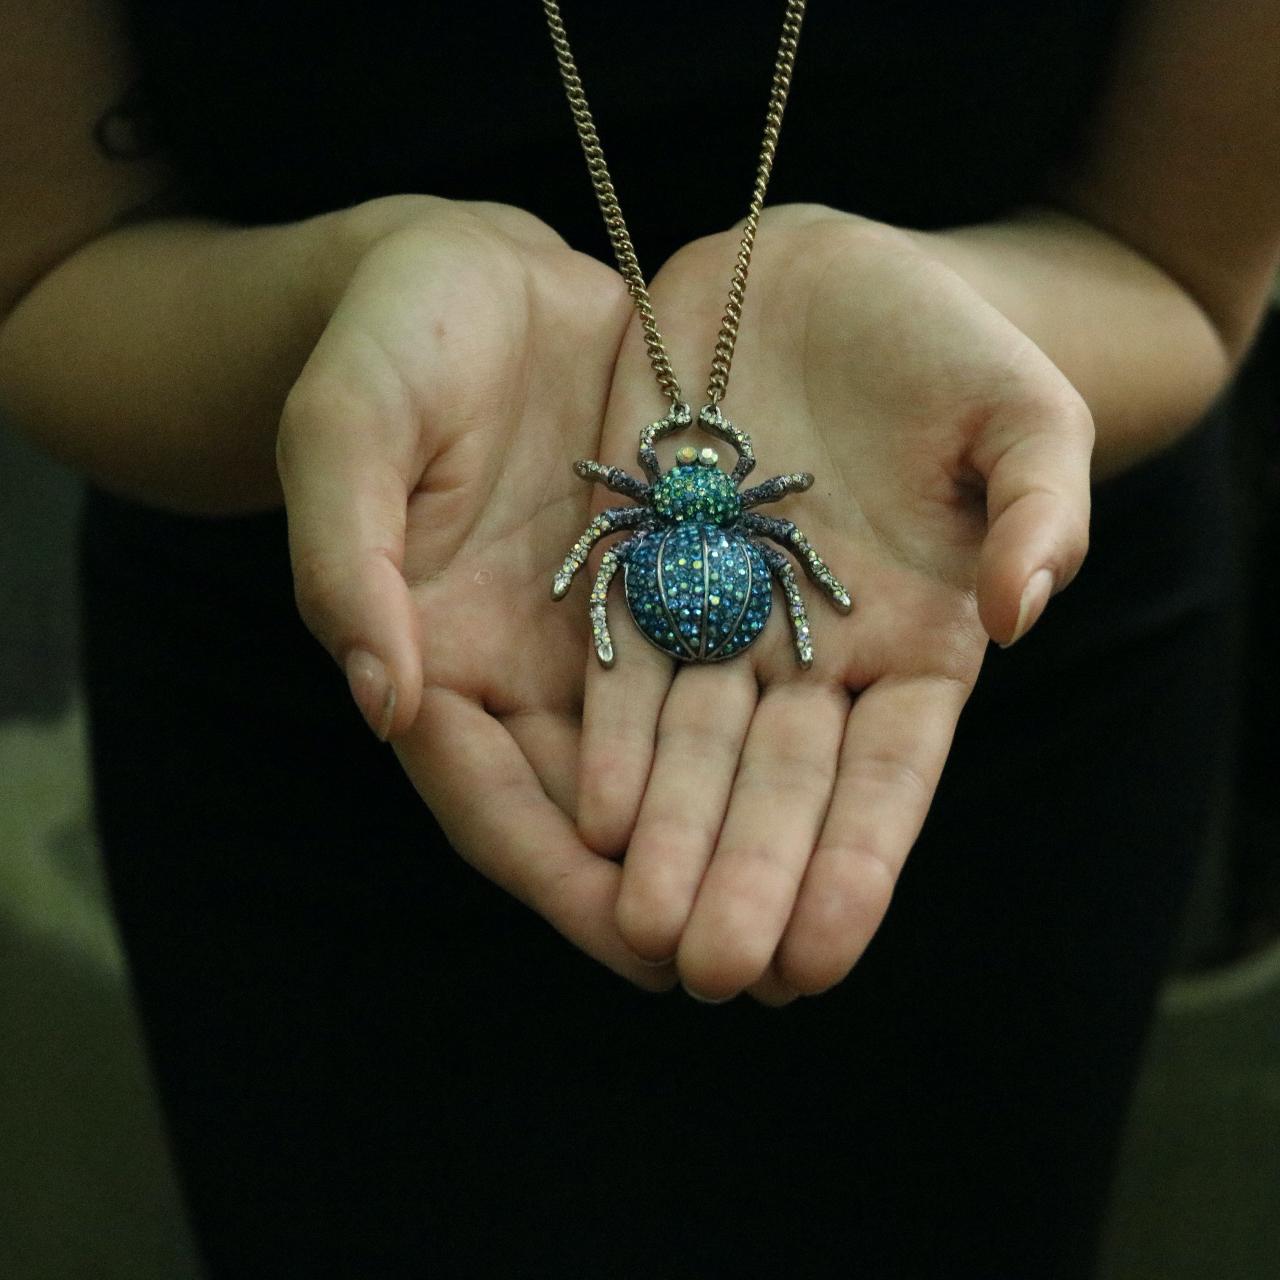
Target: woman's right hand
x=425 y=455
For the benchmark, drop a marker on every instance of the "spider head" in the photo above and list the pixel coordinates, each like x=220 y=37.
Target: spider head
x=696 y=489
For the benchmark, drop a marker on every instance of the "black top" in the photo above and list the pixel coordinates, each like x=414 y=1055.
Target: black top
x=918 y=112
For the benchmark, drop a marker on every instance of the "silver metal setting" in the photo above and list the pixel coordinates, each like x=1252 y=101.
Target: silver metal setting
x=643 y=520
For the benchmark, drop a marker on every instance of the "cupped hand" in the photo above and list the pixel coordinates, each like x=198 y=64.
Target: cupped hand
x=766 y=809
x=425 y=457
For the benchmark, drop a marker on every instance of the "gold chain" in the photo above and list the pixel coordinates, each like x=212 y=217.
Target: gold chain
x=624 y=251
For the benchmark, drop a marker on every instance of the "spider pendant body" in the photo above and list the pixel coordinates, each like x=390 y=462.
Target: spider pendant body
x=697 y=576
x=695 y=585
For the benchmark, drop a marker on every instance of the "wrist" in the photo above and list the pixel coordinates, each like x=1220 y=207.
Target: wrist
x=336 y=243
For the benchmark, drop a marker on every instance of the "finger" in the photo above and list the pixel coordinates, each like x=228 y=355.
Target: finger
x=895 y=743
x=619 y=720
x=779 y=798
x=549 y=741
x=768 y=990
x=484 y=793
x=771 y=990
x=346 y=498
x=699 y=741
x=623 y=702
x=1035 y=460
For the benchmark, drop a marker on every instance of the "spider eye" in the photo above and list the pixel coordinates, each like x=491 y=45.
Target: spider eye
x=708 y=457
x=686 y=455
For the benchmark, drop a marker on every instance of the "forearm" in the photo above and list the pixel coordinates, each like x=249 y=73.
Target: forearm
x=1148 y=282
x=157 y=358
x=1145 y=356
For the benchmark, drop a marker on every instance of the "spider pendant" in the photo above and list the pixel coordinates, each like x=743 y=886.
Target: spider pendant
x=695 y=568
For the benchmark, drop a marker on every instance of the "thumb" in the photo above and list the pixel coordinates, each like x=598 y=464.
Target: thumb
x=1034 y=458
x=346 y=501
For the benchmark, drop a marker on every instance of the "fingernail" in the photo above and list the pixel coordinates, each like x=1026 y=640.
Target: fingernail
x=656 y=964
x=705 y=999
x=1035 y=595
x=372 y=690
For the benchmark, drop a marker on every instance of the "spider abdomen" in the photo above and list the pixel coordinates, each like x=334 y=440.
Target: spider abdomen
x=698 y=591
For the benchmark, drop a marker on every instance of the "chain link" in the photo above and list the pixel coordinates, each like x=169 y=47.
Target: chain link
x=620 y=238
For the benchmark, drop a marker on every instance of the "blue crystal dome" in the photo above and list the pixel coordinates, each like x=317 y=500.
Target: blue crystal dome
x=702 y=494
x=698 y=592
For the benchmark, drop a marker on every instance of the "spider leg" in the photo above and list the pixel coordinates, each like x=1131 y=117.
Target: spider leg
x=786 y=534
x=610 y=562
x=678 y=417
x=786 y=576
x=605 y=523
x=613 y=478
x=773 y=489
x=715 y=423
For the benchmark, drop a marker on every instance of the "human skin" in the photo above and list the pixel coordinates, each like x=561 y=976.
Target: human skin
x=1125 y=305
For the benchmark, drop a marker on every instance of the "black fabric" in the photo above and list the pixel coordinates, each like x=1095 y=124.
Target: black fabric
x=374 y=1063
x=928 y=112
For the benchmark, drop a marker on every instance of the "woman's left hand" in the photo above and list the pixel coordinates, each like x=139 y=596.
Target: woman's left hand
x=766 y=810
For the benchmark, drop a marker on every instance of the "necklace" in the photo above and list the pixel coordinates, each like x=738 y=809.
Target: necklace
x=697 y=560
